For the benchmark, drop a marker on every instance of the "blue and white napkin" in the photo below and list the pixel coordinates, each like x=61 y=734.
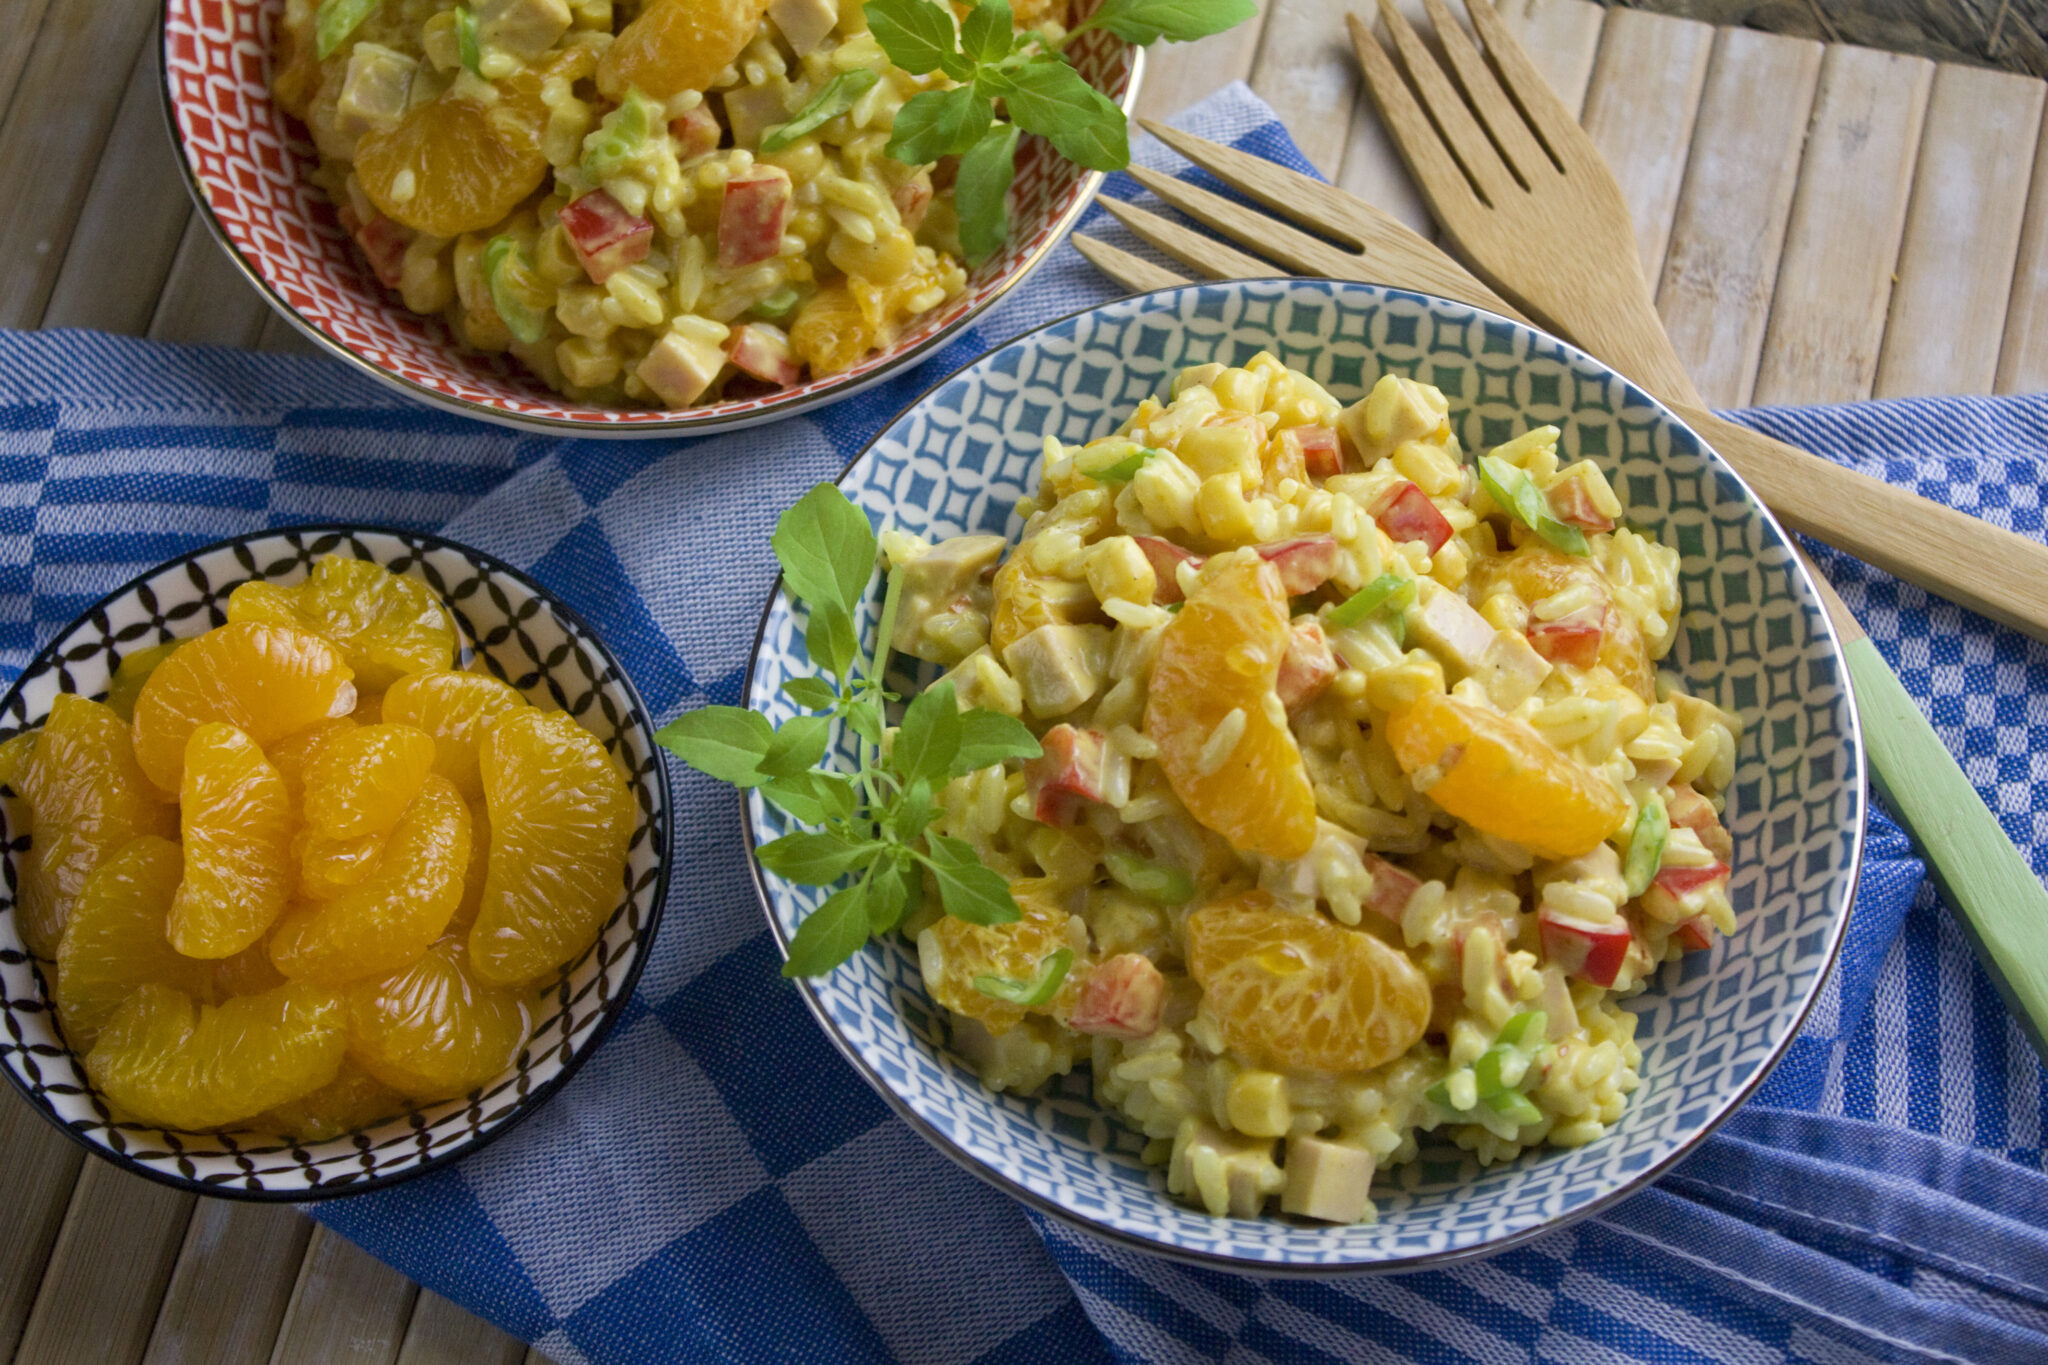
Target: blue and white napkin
x=717 y=1184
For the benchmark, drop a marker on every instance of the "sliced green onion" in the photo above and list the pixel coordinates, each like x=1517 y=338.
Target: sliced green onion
x=1646 y=846
x=1517 y=1030
x=466 y=41
x=1518 y=496
x=501 y=257
x=1512 y=1046
x=1126 y=468
x=1390 y=590
x=1440 y=1095
x=335 y=20
x=1515 y=1107
x=779 y=304
x=835 y=99
x=1160 y=883
x=620 y=137
x=1037 y=991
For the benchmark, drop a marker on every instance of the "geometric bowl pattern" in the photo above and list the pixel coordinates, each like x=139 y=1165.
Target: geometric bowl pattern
x=248 y=167
x=523 y=636
x=1753 y=638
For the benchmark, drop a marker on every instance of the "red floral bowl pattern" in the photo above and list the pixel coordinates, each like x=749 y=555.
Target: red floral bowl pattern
x=247 y=165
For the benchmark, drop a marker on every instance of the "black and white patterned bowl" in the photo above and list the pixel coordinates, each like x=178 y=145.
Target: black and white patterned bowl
x=523 y=635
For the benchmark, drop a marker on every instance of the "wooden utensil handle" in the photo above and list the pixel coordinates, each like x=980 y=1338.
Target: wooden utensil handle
x=1954 y=555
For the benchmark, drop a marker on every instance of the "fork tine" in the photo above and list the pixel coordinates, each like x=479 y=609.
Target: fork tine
x=1291 y=247
x=1205 y=255
x=1313 y=203
x=1545 y=112
x=1137 y=275
x=1461 y=132
x=1415 y=137
x=1525 y=156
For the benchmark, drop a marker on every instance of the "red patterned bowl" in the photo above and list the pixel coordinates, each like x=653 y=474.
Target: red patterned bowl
x=247 y=166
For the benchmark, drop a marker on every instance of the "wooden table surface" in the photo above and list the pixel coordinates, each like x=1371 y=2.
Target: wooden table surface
x=1824 y=223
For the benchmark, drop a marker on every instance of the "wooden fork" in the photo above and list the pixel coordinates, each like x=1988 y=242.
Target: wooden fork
x=1988 y=569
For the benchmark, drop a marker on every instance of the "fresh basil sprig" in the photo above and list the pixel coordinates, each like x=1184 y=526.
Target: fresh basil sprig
x=874 y=823
x=1041 y=93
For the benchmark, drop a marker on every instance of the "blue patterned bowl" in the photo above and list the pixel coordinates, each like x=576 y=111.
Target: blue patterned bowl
x=1753 y=639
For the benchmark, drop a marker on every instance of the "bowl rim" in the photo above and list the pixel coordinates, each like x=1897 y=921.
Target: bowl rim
x=1211 y=1260
x=1087 y=188
x=535 y=1098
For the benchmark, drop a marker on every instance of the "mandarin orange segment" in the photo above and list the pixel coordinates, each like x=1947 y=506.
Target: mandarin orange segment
x=1218 y=658
x=386 y=624
x=87 y=798
x=435 y=1029
x=115 y=941
x=830 y=334
x=1023 y=601
x=478 y=874
x=1535 y=571
x=677 y=45
x=249 y=972
x=360 y=781
x=14 y=757
x=291 y=754
x=165 y=1060
x=1502 y=778
x=1294 y=992
x=328 y=866
x=388 y=919
x=561 y=818
x=456 y=709
x=266 y=680
x=451 y=166
x=952 y=952
x=353 y=1099
x=236 y=818
x=132 y=672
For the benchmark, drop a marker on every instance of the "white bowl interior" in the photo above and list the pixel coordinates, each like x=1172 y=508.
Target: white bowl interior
x=1753 y=638
x=537 y=647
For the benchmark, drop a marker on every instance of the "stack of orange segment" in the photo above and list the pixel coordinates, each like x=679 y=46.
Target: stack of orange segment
x=301 y=871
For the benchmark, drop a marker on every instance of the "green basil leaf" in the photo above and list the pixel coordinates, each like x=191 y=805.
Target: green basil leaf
x=981 y=192
x=919 y=36
x=830 y=934
x=893 y=892
x=1177 y=21
x=335 y=20
x=936 y=123
x=1646 y=846
x=725 y=742
x=864 y=718
x=814 y=694
x=988 y=33
x=1042 y=987
x=913 y=811
x=830 y=639
x=988 y=738
x=798 y=745
x=929 y=736
x=826 y=549
x=829 y=103
x=1048 y=97
x=968 y=888
x=813 y=858
x=1388 y=590
x=467 y=44
x=796 y=796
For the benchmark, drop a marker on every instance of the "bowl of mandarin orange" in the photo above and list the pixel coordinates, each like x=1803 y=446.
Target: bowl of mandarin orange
x=331 y=853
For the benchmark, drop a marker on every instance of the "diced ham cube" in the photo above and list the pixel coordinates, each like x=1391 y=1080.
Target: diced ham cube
x=698 y=132
x=1573 y=639
x=751 y=111
x=1308 y=665
x=1450 y=625
x=383 y=243
x=1572 y=502
x=1166 y=559
x=1696 y=934
x=762 y=350
x=522 y=28
x=1689 y=809
x=1392 y=887
x=912 y=198
x=751 y=221
x=1405 y=513
x=603 y=235
x=1512 y=671
x=1066 y=774
x=1124 y=997
x=1591 y=952
x=1680 y=882
x=680 y=369
x=1305 y=563
x=804 y=23
x=1322 y=455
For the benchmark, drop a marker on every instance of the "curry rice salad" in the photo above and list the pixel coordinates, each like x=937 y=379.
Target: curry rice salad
x=1361 y=804
x=663 y=204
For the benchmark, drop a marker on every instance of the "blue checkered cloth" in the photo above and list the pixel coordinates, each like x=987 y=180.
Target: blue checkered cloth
x=717 y=1185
